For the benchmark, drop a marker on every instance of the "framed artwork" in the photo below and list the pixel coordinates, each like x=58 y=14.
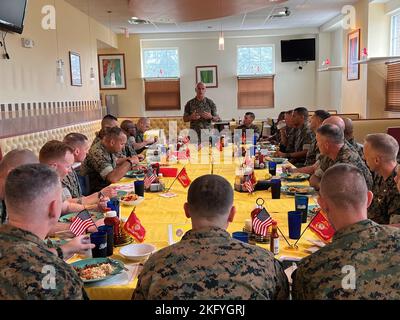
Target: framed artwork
x=112 y=71
x=75 y=69
x=353 y=55
x=208 y=75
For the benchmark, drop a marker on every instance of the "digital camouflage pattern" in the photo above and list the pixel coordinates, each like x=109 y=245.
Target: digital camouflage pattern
x=24 y=269
x=374 y=252
x=129 y=150
x=312 y=153
x=97 y=165
x=253 y=127
x=209 y=264
x=302 y=138
x=385 y=206
x=290 y=139
x=71 y=182
x=357 y=147
x=205 y=105
x=346 y=155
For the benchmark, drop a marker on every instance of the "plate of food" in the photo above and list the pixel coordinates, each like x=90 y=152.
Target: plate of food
x=139 y=174
x=295 y=176
x=293 y=189
x=97 y=269
x=70 y=217
x=279 y=160
x=131 y=199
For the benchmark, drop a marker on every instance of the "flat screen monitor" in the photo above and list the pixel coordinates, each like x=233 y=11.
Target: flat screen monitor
x=298 y=50
x=12 y=14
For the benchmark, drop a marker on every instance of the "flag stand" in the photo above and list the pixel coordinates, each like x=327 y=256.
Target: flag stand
x=175 y=179
x=284 y=237
x=305 y=229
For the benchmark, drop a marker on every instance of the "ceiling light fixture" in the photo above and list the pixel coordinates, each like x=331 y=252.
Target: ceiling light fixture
x=92 y=75
x=282 y=12
x=221 y=40
x=113 y=83
x=59 y=62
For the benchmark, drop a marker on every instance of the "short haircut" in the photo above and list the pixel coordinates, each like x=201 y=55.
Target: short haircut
x=384 y=144
x=332 y=132
x=143 y=120
x=302 y=112
x=126 y=124
x=75 y=139
x=107 y=119
x=322 y=114
x=54 y=150
x=112 y=133
x=250 y=114
x=210 y=196
x=344 y=185
x=15 y=158
x=29 y=182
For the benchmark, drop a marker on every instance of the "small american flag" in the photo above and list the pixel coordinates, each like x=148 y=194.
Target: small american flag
x=150 y=177
x=82 y=222
x=261 y=222
x=249 y=186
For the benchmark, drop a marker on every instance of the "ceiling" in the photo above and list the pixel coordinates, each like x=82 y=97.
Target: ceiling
x=187 y=16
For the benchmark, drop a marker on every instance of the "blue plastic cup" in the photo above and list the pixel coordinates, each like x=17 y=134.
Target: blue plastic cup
x=294 y=219
x=113 y=204
x=301 y=204
x=240 y=235
x=272 y=168
x=99 y=239
x=110 y=238
x=276 y=188
x=139 y=188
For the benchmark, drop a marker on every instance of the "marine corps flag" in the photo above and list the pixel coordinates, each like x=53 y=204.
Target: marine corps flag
x=183 y=178
x=134 y=227
x=321 y=226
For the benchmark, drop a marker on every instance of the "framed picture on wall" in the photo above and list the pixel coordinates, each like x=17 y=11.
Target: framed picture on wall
x=353 y=55
x=75 y=69
x=112 y=71
x=208 y=75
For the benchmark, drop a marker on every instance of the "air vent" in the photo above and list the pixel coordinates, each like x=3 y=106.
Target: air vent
x=281 y=13
x=135 y=20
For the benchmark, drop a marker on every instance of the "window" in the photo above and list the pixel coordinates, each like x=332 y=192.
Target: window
x=393 y=87
x=160 y=63
x=395 y=36
x=255 y=93
x=162 y=94
x=255 y=60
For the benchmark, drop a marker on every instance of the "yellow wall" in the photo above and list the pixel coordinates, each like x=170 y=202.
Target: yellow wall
x=30 y=74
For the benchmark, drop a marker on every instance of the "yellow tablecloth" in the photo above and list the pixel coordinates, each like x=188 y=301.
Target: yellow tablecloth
x=156 y=213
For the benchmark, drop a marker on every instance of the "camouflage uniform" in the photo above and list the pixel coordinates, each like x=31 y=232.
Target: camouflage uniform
x=139 y=138
x=302 y=139
x=97 y=165
x=346 y=155
x=129 y=150
x=313 y=153
x=374 y=252
x=24 y=271
x=206 y=105
x=71 y=182
x=96 y=139
x=209 y=264
x=357 y=147
x=253 y=127
x=290 y=142
x=385 y=206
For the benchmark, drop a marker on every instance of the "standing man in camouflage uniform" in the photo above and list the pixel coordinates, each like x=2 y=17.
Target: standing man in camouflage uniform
x=102 y=164
x=331 y=144
x=380 y=150
x=363 y=260
x=28 y=269
x=207 y=263
x=10 y=161
x=200 y=111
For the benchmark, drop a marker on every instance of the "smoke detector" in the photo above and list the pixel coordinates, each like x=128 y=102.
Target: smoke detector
x=281 y=13
x=135 y=20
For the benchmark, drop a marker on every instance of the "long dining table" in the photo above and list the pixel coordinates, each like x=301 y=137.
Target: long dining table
x=160 y=216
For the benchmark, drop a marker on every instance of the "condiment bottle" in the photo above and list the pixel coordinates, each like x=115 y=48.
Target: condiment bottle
x=111 y=219
x=274 y=243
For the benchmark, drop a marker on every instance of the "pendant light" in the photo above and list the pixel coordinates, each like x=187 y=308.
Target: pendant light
x=92 y=75
x=221 y=40
x=59 y=62
x=113 y=82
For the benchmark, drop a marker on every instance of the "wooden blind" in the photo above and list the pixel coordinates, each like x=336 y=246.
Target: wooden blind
x=255 y=93
x=393 y=87
x=162 y=94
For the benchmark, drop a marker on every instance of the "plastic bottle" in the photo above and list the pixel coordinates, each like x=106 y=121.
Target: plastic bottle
x=111 y=219
x=274 y=243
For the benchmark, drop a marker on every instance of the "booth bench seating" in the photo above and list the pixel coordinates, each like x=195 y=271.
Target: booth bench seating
x=35 y=141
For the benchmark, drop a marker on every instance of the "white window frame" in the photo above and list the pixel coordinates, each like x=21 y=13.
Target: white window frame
x=394 y=34
x=163 y=48
x=256 y=75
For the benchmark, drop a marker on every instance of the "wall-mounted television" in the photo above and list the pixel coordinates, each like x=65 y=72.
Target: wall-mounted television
x=12 y=14
x=298 y=50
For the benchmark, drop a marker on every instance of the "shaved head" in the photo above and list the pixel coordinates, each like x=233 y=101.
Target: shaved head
x=344 y=187
x=17 y=158
x=348 y=130
x=384 y=145
x=338 y=121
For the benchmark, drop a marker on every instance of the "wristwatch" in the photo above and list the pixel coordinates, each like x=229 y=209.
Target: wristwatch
x=60 y=254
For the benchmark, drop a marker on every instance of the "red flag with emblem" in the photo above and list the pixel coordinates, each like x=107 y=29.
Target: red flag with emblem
x=183 y=178
x=134 y=227
x=321 y=226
